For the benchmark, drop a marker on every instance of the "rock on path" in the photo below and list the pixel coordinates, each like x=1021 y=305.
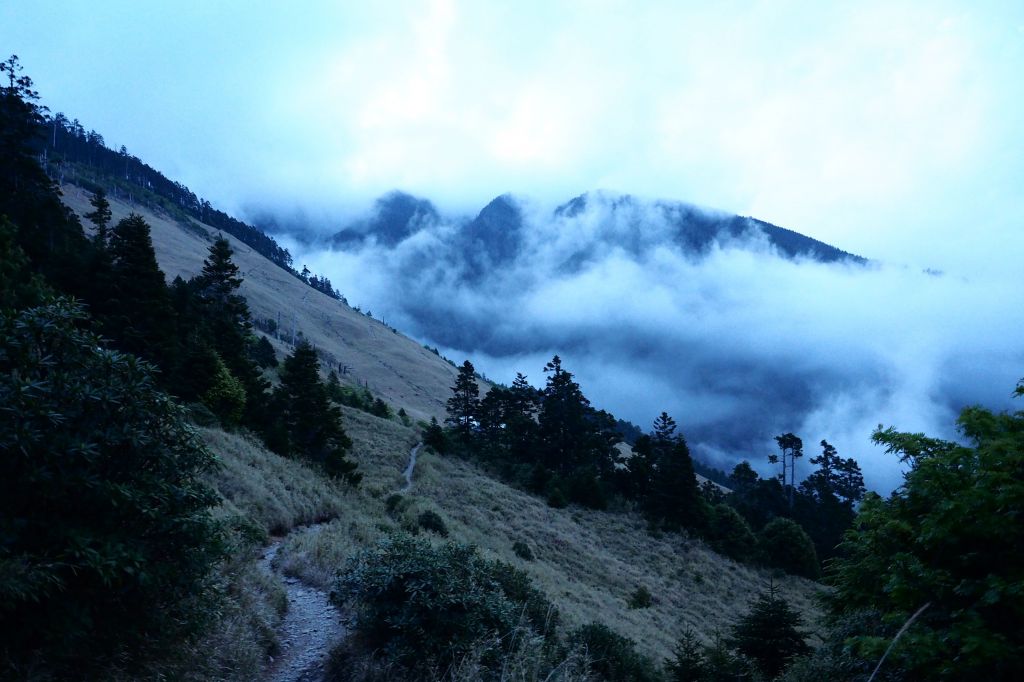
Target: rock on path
x=311 y=627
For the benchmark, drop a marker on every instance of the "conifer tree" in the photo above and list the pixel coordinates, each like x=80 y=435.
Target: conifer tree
x=464 y=405
x=100 y=216
x=142 y=319
x=769 y=635
x=673 y=495
x=309 y=426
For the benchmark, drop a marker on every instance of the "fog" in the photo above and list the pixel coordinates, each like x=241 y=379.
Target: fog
x=737 y=343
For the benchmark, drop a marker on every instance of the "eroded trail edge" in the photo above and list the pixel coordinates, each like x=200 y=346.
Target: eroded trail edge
x=311 y=627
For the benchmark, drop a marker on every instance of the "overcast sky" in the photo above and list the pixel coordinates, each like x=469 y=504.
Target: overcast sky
x=891 y=129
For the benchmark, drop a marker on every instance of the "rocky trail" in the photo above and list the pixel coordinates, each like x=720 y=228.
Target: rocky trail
x=311 y=627
x=412 y=466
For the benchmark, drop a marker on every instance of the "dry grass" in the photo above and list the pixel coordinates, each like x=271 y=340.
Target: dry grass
x=393 y=366
x=276 y=493
x=588 y=562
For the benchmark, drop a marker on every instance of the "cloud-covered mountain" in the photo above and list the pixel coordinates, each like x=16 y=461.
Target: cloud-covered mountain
x=738 y=328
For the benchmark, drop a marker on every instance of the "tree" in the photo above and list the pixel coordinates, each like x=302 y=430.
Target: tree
x=769 y=634
x=142 y=319
x=308 y=425
x=792 y=449
x=785 y=545
x=950 y=538
x=688 y=662
x=464 y=405
x=108 y=540
x=673 y=495
x=100 y=216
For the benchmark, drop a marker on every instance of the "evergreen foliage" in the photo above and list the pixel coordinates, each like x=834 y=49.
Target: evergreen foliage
x=464 y=405
x=108 y=540
x=422 y=607
x=785 y=545
x=950 y=538
x=613 y=657
x=769 y=635
x=307 y=424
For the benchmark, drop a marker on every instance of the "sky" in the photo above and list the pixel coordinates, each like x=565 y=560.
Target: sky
x=891 y=129
x=894 y=130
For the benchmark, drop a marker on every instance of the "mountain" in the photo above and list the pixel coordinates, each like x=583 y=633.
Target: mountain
x=495 y=236
x=396 y=215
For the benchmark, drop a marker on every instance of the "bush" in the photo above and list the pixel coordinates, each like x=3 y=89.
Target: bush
x=730 y=535
x=522 y=550
x=785 y=545
x=422 y=608
x=641 y=598
x=612 y=656
x=108 y=542
x=430 y=520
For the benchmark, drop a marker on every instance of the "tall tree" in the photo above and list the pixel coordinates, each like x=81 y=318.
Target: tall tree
x=464 y=405
x=308 y=425
x=769 y=634
x=673 y=497
x=142 y=319
x=100 y=216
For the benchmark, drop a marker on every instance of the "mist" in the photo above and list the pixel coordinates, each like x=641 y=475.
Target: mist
x=737 y=342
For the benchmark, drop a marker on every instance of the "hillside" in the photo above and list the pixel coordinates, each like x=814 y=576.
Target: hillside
x=391 y=365
x=588 y=562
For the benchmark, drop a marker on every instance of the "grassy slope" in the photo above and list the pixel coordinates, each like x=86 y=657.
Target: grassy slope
x=588 y=562
x=394 y=367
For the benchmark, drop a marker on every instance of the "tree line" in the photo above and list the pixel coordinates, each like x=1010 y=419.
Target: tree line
x=553 y=442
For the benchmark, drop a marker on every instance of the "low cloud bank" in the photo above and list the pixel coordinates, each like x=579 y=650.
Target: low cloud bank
x=735 y=341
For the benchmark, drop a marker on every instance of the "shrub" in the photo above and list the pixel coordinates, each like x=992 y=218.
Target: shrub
x=422 y=608
x=730 y=535
x=522 y=550
x=430 y=520
x=641 y=598
x=786 y=545
x=612 y=656
x=108 y=542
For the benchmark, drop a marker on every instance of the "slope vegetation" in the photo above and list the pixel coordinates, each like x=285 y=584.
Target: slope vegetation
x=364 y=351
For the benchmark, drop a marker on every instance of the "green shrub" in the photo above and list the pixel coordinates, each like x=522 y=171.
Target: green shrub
x=522 y=550
x=557 y=499
x=612 y=656
x=394 y=503
x=730 y=534
x=422 y=608
x=108 y=542
x=641 y=598
x=785 y=545
x=430 y=520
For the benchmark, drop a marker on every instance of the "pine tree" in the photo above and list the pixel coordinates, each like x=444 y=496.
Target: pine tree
x=100 y=216
x=673 y=495
x=141 y=317
x=769 y=635
x=464 y=405
x=309 y=424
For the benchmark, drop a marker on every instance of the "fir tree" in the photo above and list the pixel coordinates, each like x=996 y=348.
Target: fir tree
x=464 y=405
x=769 y=635
x=309 y=425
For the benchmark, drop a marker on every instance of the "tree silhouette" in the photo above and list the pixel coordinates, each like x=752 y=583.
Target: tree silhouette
x=464 y=405
x=769 y=635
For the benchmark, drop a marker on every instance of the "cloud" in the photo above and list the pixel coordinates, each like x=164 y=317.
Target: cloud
x=738 y=344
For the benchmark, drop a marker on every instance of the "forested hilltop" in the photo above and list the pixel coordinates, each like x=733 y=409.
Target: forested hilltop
x=154 y=439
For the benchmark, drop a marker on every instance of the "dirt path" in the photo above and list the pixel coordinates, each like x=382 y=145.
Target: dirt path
x=310 y=628
x=412 y=466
